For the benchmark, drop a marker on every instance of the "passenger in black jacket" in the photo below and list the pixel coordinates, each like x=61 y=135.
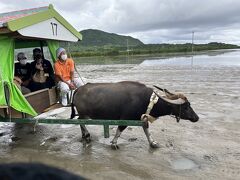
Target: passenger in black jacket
x=22 y=73
x=41 y=72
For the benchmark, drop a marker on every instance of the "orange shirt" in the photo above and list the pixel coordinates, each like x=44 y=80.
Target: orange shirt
x=64 y=69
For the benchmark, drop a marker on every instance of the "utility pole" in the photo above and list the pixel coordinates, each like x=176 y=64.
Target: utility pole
x=192 y=48
x=127 y=48
x=192 y=40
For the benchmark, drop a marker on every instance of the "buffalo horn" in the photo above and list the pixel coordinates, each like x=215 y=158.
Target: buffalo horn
x=163 y=90
x=170 y=95
x=174 y=101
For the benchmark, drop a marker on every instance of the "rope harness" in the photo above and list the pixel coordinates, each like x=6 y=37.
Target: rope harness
x=147 y=117
x=153 y=100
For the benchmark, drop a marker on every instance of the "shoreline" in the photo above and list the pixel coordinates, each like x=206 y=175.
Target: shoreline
x=169 y=54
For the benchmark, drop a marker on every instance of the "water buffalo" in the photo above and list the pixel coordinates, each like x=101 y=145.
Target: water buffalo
x=130 y=101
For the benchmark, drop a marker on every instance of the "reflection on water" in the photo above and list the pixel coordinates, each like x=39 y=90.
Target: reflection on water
x=109 y=60
x=212 y=58
x=200 y=60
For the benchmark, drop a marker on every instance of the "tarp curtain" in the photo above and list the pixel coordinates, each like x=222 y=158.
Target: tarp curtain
x=52 y=46
x=17 y=100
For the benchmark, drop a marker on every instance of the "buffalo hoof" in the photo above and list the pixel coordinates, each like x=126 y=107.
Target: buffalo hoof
x=114 y=146
x=86 y=138
x=154 y=144
x=87 y=145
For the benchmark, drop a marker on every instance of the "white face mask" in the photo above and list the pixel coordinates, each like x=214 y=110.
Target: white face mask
x=23 y=61
x=64 y=57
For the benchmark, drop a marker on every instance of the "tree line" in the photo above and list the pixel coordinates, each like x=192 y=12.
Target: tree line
x=108 y=50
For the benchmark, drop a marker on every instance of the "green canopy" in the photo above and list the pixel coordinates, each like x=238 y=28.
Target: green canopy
x=16 y=99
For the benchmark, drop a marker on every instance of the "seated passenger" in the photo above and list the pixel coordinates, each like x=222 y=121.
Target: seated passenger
x=64 y=73
x=22 y=73
x=42 y=72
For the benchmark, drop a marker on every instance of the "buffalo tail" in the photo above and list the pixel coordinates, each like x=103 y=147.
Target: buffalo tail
x=73 y=113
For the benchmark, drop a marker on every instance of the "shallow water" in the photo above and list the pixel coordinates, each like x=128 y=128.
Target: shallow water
x=211 y=58
x=208 y=149
x=183 y=164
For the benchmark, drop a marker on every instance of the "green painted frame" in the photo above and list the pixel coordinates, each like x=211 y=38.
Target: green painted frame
x=105 y=123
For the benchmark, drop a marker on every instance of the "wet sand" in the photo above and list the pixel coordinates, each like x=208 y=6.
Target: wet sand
x=208 y=149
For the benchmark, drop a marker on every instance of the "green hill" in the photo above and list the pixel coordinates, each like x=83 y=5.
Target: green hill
x=93 y=37
x=100 y=43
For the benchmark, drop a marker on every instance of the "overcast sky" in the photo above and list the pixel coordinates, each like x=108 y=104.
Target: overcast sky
x=151 y=21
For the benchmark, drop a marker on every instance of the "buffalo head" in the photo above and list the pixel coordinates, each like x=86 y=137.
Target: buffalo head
x=184 y=111
x=181 y=107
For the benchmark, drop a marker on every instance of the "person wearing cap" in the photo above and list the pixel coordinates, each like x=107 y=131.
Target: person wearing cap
x=42 y=74
x=22 y=73
x=64 y=75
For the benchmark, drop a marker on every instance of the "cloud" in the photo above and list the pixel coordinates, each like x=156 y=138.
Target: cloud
x=151 y=21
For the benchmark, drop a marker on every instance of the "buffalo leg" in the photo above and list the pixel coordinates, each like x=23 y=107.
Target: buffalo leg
x=119 y=131
x=85 y=134
x=151 y=141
